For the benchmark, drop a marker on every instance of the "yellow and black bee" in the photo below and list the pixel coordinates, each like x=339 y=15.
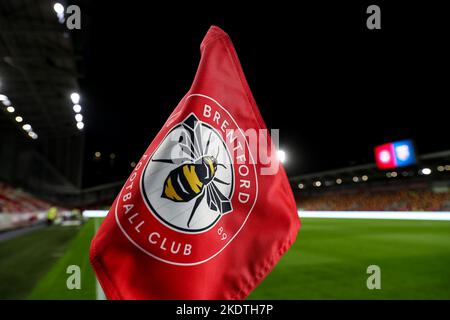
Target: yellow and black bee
x=195 y=178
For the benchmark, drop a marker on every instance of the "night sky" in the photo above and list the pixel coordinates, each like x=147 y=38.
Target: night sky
x=332 y=87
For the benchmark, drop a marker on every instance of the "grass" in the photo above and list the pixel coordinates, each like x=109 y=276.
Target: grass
x=330 y=258
x=53 y=284
x=26 y=259
x=328 y=261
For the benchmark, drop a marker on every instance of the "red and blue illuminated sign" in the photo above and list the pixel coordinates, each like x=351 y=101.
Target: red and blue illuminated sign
x=395 y=154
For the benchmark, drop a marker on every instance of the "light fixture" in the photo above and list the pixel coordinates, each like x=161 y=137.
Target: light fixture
x=75 y=97
x=133 y=164
x=338 y=180
x=281 y=156
x=58 y=7
x=97 y=154
x=26 y=127
x=301 y=185
x=33 y=135
x=77 y=108
x=80 y=125
x=355 y=179
x=426 y=171
x=79 y=117
x=365 y=178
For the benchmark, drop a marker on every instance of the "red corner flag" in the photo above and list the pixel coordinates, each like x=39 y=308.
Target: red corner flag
x=204 y=214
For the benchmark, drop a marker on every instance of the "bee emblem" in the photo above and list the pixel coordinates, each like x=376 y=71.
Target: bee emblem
x=196 y=173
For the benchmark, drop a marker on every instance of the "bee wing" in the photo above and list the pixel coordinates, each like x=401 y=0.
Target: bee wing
x=210 y=200
x=219 y=200
x=187 y=146
x=198 y=138
x=194 y=137
x=207 y=143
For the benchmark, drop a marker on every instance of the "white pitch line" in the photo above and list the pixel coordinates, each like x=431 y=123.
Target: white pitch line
x=100 y=295
x=95 y=214
x=382 y=215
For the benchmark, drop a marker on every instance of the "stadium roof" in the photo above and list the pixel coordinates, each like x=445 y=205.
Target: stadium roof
x=38 y=68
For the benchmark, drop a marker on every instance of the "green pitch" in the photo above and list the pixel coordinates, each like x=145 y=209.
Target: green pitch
x=53 y=284
x=26 y=259
x=330 y=258
x=328 y=261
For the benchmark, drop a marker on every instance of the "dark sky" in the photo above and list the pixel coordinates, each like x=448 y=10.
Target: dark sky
x=332 y=87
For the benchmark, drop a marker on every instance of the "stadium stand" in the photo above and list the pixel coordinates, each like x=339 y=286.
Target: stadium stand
x=17 y=201
x=421 y=187
x=18 y=208
x=381 y=200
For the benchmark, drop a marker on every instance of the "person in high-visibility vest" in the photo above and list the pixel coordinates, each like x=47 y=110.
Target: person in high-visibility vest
x=52 y=213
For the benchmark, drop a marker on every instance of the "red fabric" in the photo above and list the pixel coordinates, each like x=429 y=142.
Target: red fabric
x=129 y=254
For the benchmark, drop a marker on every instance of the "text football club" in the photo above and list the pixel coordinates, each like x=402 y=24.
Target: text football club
x=194 y=188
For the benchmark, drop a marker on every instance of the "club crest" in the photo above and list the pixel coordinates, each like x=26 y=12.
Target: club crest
x=194 y=188
x=197 y=177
